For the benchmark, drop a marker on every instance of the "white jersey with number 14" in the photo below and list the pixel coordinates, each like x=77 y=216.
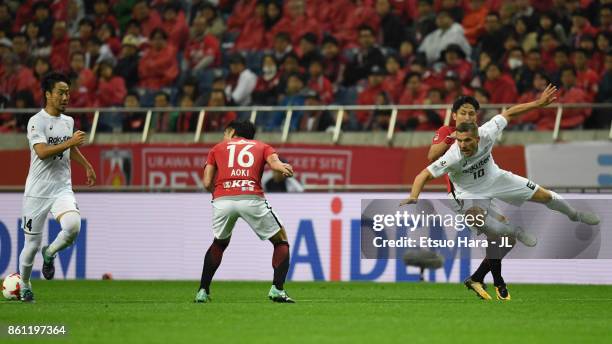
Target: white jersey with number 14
x=50 y=177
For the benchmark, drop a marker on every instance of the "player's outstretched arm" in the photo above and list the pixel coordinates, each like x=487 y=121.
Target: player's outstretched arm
x=76 y=155
x=44 y=150
x=548 y=96
x=279 y=166
x=209 y=177
x=417 y=186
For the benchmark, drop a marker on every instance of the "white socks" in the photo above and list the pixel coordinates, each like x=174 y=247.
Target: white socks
x=559 y=204
x=71 y=225
x=26 y=258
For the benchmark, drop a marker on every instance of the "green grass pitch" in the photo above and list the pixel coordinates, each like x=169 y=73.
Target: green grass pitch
x=162 y=312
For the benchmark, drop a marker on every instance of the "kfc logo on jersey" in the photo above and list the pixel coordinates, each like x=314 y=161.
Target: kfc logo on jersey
x=243 y=184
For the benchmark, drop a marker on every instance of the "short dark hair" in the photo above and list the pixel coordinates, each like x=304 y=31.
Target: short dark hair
x=468 y=127
x=462 y=100
x=243 y=128
x=49 y=81
x=365 y=27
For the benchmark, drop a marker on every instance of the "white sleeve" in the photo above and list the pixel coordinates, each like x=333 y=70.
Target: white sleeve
x=445 y=162
x=245 y=86
x=494 y=127
x=36 y=131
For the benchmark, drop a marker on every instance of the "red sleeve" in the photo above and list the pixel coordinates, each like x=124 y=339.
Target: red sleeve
x=268 y=150
x=441 y=134
x=210 y=160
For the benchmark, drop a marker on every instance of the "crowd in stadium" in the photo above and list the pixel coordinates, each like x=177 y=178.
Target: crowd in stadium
x=163 y=53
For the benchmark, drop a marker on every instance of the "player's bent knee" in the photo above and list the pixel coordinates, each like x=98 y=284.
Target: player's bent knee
x=221 y=243
x=71 y=223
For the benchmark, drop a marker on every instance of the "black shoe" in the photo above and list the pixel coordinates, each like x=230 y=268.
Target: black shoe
x=48 y=269
x=502 y=293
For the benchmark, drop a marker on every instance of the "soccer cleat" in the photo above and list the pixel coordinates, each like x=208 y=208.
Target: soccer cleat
x=279 y=296
x=202 y=297
x=48 y=268
x=25 y=293
x=478 y=288
x=502 y=293
x=527 y=239
x=588 y=217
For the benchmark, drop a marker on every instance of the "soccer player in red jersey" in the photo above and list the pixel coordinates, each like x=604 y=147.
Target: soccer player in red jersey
x=233 y=175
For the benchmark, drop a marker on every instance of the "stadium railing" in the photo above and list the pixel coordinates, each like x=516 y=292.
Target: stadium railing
x=255 y=111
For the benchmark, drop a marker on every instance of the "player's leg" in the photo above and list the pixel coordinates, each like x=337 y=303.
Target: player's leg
x=555 y=202
x=212 y=261
x=224 y=220
x=66 y=212
x=34 y=216
x=262 y=219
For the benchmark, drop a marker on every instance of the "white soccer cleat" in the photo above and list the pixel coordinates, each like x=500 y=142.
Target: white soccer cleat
x=527 y=239
x=588 y=217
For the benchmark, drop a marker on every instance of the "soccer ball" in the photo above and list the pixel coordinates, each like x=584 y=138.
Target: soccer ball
x=10 y=286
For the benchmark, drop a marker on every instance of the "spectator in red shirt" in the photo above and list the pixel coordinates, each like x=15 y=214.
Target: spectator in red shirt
x=15 y=77
x=605 y=17
x=158 y=67
x=110 y=89
x=501 y=86
x=602 y=42
x=428 y=119
x=369 y=94
x=580 y=26
x=148 y=18
x=297 y=22
x=102 y=14
x=455 y=61
x=318 y=82
x=474 y=20
x=83 y=82
x=529 y=119
x=59 y=47
x=391 y=26
x=41 y=68
x=394 y=81
x=414 y=93
x=307 y=49
x=568 y=93
x=175 y=25
x=253 y=33
x=586 y=78
x=203 y=50
x=548 y=43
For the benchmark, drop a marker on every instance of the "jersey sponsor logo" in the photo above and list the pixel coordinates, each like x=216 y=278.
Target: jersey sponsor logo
x=245 y=185
x=55 y=140
x=477 y=165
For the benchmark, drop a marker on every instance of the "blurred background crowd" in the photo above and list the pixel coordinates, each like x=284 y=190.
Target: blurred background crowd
x=138 y=53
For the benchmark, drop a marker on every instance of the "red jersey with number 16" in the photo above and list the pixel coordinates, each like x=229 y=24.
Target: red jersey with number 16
x=240 y=164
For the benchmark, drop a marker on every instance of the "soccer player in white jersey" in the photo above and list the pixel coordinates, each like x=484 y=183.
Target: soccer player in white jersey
x=478 y=179
x=49 y=187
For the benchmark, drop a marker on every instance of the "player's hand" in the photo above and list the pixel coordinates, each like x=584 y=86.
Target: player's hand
x=548 y=96
x=91 y=177
x=409 y=200
x=453 y=135
x=287 y=170
x=77 y=139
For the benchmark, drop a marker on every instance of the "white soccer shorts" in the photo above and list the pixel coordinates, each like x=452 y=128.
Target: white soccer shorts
x=507 y=187
x=36 y=209
x=253 y=209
